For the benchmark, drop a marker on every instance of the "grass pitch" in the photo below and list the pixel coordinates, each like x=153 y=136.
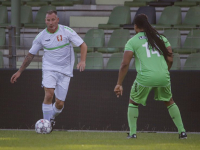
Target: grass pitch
x=63 y=140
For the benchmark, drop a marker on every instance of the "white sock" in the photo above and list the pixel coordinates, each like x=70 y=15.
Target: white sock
x=47 y=111
x=56 y=111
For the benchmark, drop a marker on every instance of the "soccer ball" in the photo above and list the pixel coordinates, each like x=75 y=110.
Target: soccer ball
x=43 y=126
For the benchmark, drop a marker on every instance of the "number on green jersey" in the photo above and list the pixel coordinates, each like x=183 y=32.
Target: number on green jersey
x=148 y=51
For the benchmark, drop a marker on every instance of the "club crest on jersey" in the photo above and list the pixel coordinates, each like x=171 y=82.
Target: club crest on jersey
x=59 y=37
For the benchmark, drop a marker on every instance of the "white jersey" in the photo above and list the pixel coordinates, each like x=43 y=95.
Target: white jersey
x=58 y=50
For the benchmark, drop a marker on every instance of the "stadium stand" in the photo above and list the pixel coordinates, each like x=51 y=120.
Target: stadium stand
x=34 y=3
x=137 y=3
x=192 y=62
x=171 y=15
x=132 y=66
x=176 y=62
x=94 y=60
x=190 y=20
x=114 y=61
x=5 y=3
x=147 y=10
x=162 y=3
x=32 y=65
x=116 y=42
x=1 y=60
x=40 y=17
x=174 y=37
x=94 y=38
x=26 y=14
x=191 y=44
x=4 y=16
x=3 y=38
x=110 y=2
x=120 y=15
x=62 y=3
x=187 y=3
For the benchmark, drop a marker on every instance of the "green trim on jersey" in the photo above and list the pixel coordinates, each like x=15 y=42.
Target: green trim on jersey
x=54 y=32
x=69 y=29
x=56 y=47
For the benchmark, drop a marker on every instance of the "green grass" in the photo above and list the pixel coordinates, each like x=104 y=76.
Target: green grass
x=63 y=140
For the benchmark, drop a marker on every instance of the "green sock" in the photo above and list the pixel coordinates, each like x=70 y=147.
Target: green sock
x=132 y=118
x=176 y=117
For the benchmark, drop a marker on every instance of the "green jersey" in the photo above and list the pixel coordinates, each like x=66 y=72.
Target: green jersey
x=151 y=67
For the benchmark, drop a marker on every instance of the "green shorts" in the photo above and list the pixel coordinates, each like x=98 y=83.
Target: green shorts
x=139 y=93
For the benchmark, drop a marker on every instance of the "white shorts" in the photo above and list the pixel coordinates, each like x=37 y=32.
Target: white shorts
x=58 y=81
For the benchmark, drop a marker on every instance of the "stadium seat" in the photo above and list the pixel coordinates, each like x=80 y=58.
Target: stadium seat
x=62 y=2
x=36 y=2
x=192 y=62
x=120 y=15
x=94 y=60
x=191 y=44
x=4 y=16
x=190 y=20
x=170 y=16
x=3 y=38
x=77 y=1
x=147 y=10
x=40 y=18
x=110 y=2
x=174 y=37
x=114 y=61
x=1 y=60
x=117 y=41
x=187 y=3
x=5 y=3
x=162 y=3
x=137 y=3
x=94 y=38
x=26 y=14
x=176 y=62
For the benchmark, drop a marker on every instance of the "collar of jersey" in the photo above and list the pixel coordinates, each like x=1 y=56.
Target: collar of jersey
x=54 y=32
x=53 y=48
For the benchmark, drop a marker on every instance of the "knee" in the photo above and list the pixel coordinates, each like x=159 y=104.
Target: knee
x=49 y=96
x=170 y=102
x=59 y=104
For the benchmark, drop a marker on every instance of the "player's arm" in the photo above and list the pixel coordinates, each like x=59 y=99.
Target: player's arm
x=29 y=57
x=81 y=64
x=170 y=57
x=123 y=71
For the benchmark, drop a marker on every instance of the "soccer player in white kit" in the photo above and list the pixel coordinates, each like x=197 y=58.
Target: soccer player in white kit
x=57 y=63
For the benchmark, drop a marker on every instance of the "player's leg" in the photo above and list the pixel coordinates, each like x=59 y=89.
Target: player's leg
x=48 y=83
x=132 y=118
x=58 y=106
x=164 y=94
x=60 y=94
x=138 y=96
x=176 y=117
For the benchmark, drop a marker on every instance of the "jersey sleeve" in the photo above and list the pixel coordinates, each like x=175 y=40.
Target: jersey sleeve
x=73 y=36
x=167 y=44
x=129 y=46
x=36 y=46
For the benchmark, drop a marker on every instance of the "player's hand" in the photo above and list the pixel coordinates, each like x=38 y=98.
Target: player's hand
x=81 y=66
x=118 y=90
x=14 y=77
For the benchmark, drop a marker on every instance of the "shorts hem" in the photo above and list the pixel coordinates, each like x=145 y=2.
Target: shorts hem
x=137 y=103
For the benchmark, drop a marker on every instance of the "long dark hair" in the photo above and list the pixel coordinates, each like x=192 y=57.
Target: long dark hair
x=154 y=39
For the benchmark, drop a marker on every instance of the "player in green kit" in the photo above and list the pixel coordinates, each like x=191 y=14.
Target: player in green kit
x=153 y=59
